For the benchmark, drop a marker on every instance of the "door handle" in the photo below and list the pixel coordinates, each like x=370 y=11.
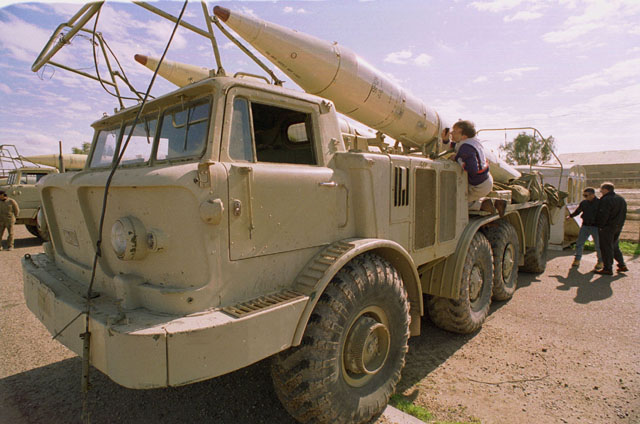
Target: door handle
x=329 y=184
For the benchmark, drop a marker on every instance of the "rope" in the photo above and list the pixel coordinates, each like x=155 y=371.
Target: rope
x=86 y=336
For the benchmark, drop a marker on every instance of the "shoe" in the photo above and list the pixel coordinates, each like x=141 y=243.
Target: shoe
x=501 y=205
x=598 y=266
x=604 y=272
x=9 y=248
x=487 y=206
x=622 y=268
x=576 y=262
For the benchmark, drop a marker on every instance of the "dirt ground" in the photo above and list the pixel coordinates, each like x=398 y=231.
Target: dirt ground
x=565 y=349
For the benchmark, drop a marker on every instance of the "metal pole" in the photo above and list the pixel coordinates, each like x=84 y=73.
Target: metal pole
x=214 y=43
x=47 y=54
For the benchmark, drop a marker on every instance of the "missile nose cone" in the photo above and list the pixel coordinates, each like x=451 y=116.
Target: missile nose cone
x=141 y=59
x=222 y=13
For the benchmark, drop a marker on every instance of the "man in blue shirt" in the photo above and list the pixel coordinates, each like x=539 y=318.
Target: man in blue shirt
x=588 y=208
x=470 y=156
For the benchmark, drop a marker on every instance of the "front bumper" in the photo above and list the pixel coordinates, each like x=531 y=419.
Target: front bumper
x=139 y=349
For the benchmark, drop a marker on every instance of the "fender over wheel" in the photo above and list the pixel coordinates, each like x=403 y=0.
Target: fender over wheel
x=467 y=313
x=353 y=348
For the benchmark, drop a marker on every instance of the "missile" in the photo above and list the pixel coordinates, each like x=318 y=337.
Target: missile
x=334 y=72
x=72 y=161
x=180 y=74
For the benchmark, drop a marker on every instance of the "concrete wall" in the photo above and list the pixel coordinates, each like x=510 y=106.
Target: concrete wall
x=625 y=175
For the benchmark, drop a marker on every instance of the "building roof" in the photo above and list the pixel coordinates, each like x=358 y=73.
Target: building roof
x=601 y=158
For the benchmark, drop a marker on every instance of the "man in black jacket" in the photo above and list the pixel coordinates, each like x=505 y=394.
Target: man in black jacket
x=588 y=208
x=612 y=213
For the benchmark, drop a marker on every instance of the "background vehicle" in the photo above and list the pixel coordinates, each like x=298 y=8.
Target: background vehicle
x=21 y=186
x=244 y=223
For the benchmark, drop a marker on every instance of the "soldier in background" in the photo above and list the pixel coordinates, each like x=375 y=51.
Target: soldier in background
x=9 y=210
x=588 y=208
x=612 y=212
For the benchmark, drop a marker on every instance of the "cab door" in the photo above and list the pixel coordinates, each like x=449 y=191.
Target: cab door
x=281 y=197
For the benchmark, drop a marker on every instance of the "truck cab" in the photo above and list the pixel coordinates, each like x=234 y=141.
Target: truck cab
x=21 y=187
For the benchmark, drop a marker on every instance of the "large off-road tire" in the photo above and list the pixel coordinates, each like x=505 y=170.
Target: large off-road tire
x=33 y=229
x=506 y=252
x=353 y=349
x=467 y=313
x=535 y=259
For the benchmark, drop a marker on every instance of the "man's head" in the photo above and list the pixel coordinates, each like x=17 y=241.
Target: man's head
x=606 y=188
x=462 y=130
x=3 y=195
x=589 y=193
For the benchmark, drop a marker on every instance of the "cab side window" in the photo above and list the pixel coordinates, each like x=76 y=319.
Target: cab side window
x=279 y=135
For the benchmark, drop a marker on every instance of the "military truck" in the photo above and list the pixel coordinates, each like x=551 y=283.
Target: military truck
x=244 y=223
x=21 y=187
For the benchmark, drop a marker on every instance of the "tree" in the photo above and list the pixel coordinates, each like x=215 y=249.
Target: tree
x=527 y=147
x=84 y=150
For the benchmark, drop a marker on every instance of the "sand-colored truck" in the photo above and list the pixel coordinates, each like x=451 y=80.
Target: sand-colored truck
x=245 y=222
x=21 y=187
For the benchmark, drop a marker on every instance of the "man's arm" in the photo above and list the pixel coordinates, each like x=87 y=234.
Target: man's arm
x=16 y=208
x=578 y=210
x=604 y=210
x=466 y=157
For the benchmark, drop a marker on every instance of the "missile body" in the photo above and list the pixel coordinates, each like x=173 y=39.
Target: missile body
x=180 y=74
x=72 y=161
x=336 y=73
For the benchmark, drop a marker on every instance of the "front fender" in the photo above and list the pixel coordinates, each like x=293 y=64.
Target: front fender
x=320 y=270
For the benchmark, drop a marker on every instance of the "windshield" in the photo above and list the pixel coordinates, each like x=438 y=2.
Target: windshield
x=184 y=131
x=182 y=135
x=141 y=142
x=105 y=147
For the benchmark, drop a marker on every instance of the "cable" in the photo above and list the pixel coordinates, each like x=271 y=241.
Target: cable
x=95 y=60
x=86 y=336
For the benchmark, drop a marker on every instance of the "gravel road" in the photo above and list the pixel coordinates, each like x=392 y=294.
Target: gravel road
x=565 y=349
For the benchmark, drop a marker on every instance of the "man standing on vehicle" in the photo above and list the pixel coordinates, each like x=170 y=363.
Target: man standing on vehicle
x=610 y=218
x=588 y=208
x=470 y=155
x=9 y=211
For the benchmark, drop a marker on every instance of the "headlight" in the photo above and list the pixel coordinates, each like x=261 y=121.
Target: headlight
x=118 y=239
x=128 y=238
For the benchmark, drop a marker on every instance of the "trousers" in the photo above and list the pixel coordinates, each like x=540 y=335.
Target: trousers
x=583 y=236
x=609 y=239
x=9 y=226
x=476 y=192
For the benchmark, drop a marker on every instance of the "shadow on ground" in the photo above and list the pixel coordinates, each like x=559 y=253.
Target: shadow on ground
x=51 y=394
x=26 y=242
x=591 y=287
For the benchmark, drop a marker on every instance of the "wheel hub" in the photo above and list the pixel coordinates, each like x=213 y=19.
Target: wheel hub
x=475 y=283
x=508 y=262
x=366 y=347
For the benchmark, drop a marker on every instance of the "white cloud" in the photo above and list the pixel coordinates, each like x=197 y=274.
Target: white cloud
x=405 y=57
x=496 y=5
x=518 y=72
x=248 y=11
x=480 y=79
x=5 y=88
x=399 y=58
x=21 y=40
x=618 y=16
x=626 y=70
x=422 y=60
x=524 y=15
x=289 y=9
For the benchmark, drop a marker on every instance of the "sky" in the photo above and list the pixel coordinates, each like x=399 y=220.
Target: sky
x=570 y=68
